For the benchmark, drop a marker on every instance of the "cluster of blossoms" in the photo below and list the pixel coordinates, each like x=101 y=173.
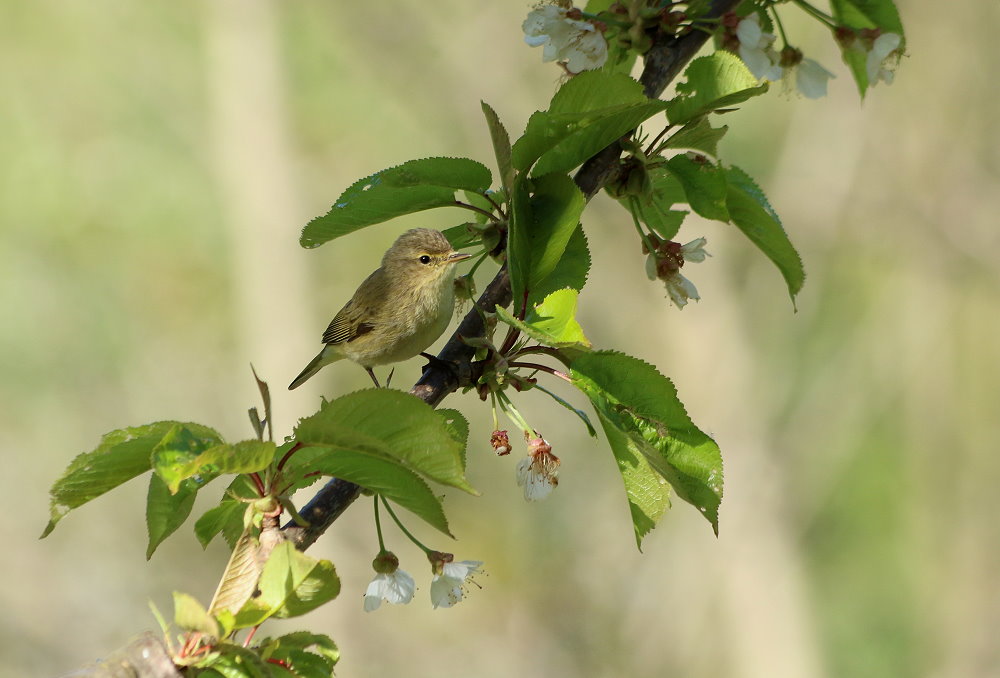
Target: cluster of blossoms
x=396 y=586
x=756 y=49
x=755 y=46
x=665 y=262
x=566 y=37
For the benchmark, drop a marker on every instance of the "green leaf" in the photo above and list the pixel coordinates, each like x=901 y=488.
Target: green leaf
x=166 y=511
x=555 y=209
x=393 y=425
x=414 y=186
x=191 y=616
x=176 y=457
x=462 y=236
x=704 y=186
x=647 y=424
x=227 y=517
x=589 y=112
x=698 y=135
x=653 y=209
x=552 y=322
x=121 y=456
x=501 y=146
x=230 y=660
x=716 y=81
x=246 y=456
x=570 y=271
x=859 y=14
x=217 y=519
x=291 y=649
x=458 y=427
x=647 y=491
x=374 y=472
x=291 y=584
x=750 y=211
x=518 y=244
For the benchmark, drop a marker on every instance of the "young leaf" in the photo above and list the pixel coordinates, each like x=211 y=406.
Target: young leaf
x=501 y=146
x=121 y=456
x=373 y=471
x=414 y=186
x=226 y=516
x=704 y=186
x=191 y=616
x=166 y=511
x=291 y=584
x=570 y=271
x=750 y=211
x=552 y=322
x=698 y=135
x=396 y=426
x=239 y=581
x=715 y=81
x=641 y=415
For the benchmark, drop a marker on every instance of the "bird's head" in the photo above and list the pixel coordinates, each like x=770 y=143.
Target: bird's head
x=422 y=255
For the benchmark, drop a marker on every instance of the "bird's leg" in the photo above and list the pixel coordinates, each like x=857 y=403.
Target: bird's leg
x=372 y=375
x=388 y=380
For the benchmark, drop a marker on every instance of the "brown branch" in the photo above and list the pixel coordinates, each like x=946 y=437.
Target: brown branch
x=663 y=63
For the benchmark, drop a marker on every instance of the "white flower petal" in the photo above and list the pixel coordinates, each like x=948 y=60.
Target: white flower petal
x=811 y=79
x=749 y=31
x=397 y=588
x=694 y=251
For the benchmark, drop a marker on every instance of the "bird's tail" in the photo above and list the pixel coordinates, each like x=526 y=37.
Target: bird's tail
x=324 y=358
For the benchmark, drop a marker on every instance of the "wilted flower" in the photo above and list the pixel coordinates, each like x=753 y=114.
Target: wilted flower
x=665 y=265
x=756 y=49
x=447 y=587
x=500 y=443
x=566 y=37
x=883 y=58
x=390 y=584
x=538 y=473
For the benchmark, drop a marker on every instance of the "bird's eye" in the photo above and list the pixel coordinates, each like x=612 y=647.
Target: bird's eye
x=425 y=259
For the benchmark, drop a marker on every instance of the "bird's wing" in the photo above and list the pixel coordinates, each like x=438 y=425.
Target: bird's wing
x=358 y=315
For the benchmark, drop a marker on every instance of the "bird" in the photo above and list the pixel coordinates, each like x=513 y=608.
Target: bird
x=398 y=311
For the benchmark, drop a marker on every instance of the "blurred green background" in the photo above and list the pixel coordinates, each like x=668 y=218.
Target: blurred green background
x=158 y=162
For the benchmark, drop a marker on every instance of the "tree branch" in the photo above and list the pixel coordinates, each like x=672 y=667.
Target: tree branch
x=663 y=62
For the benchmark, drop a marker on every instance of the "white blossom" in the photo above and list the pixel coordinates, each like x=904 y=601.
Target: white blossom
x=811 y=79
x=756 y=49
x=576 y=42
x=694 y=251
x=397 y=588
x=883 y=58
x=447 y=588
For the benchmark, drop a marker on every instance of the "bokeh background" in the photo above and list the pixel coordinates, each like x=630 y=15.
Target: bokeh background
x=157 y=161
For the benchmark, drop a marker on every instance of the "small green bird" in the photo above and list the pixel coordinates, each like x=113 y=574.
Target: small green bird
x=399 y=310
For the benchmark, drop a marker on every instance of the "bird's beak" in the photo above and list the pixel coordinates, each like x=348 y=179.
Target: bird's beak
x=458 y=256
